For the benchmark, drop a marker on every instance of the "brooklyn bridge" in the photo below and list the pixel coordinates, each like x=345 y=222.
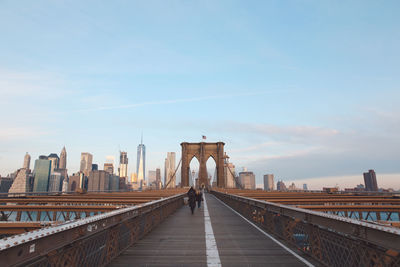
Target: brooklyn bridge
x=233 y=227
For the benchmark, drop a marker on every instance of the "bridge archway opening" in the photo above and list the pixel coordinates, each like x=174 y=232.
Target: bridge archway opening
x=211 y=167
x=194 y=166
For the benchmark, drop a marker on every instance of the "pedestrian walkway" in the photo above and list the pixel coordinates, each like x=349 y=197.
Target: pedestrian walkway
x=181 y=241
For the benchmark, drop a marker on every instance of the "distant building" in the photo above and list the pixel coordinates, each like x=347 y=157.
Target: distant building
x=169 y=170
x=229 y=171
x=95 y=167
x=360 y=187
x=268 y=182
x=109 y=167
x=370 y=181
x=248 y=180
x=86 y=163
x=65 y=185
x=21 y=182
x=27 y=161
x=12 y=175
x=76 y=181
x=330 y=189
x=305 y=187
x=280 y=186
x=152 y=177
x=42 y=172
x=99 y=181
x=123 y=165
x=134 y=178
x=158 y=178
x=193 y=178
x=62 y=169
x=63 y=159
x=114 y=183
x=141 y=162
x=5 y=184
x=292 y=187
x=53 y=157
x=122 y=184
x=55 y=182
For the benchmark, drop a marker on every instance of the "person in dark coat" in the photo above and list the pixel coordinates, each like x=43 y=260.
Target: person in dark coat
x=199 y=198
x=192 y=198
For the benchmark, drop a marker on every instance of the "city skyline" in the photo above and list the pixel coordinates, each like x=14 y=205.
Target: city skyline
x=302 y=95
x=386 y=180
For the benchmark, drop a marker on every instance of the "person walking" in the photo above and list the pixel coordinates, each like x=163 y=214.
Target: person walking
x=199 y=198
x=192 y=198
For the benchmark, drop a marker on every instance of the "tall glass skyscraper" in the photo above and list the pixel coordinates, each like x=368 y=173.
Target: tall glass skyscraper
x=141 y=163
x=42 y=174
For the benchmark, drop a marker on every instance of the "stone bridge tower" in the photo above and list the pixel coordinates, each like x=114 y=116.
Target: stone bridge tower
x=202 y=151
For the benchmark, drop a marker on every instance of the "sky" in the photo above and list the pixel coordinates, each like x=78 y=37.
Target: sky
x=306 y=90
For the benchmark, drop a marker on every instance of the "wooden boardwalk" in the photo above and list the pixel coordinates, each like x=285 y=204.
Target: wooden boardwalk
x=180 y=241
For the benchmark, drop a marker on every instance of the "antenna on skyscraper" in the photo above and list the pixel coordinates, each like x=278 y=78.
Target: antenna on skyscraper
x=141 y=140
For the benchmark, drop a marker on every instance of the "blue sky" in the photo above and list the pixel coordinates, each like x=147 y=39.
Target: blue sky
x=301 y=89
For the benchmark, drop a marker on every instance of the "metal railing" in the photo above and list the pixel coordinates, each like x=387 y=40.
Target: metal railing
x=330 y=239
x=92 y=241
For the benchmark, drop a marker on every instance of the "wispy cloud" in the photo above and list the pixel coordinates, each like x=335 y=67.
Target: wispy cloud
x=174 y=101
x=291 y=132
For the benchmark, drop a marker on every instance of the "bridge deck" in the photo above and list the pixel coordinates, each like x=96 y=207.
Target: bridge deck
x=181 y=241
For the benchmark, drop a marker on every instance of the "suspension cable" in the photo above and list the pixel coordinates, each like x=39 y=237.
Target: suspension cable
x=170 y=179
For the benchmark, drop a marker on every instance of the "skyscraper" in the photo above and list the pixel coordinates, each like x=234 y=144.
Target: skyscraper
x=55 y=182
x=86 y=163
x=123 y=165
x=229 y=171
x=141 y=162
x=152 y=177
x=21 y=182
x=247 y=179
x=158 y=178
x=42 y=174
x=63 y=159
x=280 y=186
x=134 y=178
x=99 y=181
x=109 y=167
x=169 y=178
x=370 y=181
x=268 y=182
x=192 y=178
x=27 y=161
x=53 y=157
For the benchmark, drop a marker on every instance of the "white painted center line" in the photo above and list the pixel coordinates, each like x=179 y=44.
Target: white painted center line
x=271 y=237
x=211 y=245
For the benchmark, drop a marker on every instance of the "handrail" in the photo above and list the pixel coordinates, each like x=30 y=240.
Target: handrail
x=319 y=234
x=54 y=242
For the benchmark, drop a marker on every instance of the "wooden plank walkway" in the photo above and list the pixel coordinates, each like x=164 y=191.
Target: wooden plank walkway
x=180 y=241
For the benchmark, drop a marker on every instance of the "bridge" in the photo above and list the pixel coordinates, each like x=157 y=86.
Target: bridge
x=232 y=228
